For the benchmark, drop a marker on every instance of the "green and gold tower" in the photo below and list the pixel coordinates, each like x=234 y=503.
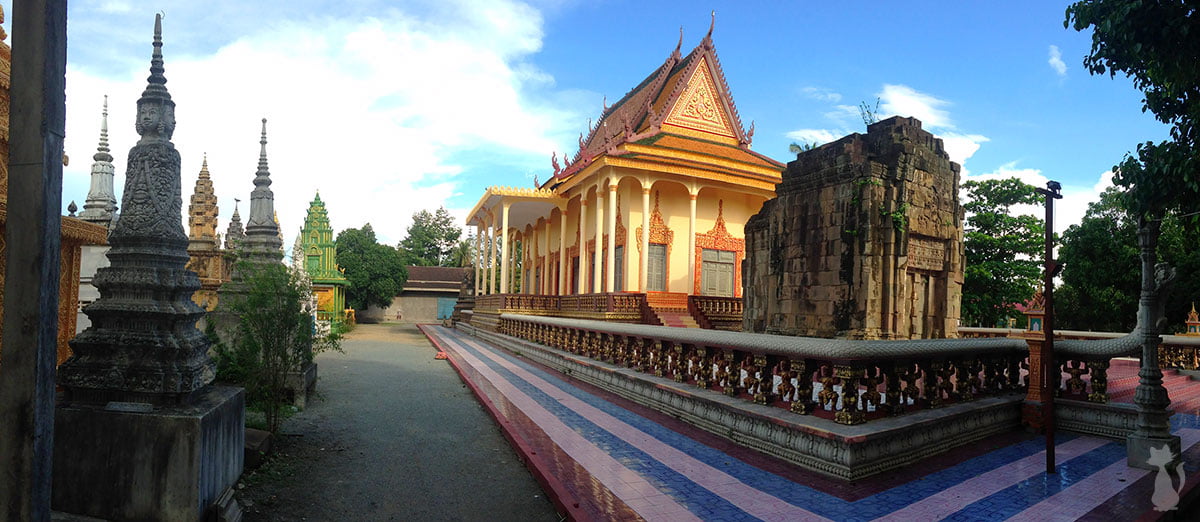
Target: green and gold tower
x=320 y=263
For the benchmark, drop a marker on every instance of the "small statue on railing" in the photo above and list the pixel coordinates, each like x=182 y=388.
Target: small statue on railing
x=785 y=389
x=871 y=397
x=909 y=393
x=1075 y=384
x=827 y=396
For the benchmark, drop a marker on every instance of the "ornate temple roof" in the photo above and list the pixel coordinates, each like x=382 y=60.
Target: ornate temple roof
x=687 y=98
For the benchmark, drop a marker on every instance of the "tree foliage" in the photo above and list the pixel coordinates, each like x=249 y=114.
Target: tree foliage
x=1102 y=278
x=375 y=272
x=275 y=337
x=1003 y=251
x=431 y=239
x=1154 y=43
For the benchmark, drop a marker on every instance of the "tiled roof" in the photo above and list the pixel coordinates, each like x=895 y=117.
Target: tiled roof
x=444 y=274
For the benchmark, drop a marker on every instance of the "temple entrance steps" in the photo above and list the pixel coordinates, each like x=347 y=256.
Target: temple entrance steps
x=676 y=318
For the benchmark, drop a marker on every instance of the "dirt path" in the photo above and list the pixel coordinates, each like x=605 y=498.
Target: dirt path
x=394 y=435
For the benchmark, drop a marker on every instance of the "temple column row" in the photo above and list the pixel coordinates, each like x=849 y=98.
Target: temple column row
x=691 y=251
x=504 y=257
x=597 y=261
x=478 y=257
x=562 y=252
x=492 y=247
x=610 y=270
x=582 y=276
x=644 y=253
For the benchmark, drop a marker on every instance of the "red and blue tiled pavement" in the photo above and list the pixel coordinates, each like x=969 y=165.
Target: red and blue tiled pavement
x=603 y=457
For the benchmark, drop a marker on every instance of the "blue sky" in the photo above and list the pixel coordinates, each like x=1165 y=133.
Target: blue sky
x=391 y=107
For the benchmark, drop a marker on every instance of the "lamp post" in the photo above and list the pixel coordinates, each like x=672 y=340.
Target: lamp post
x=1050 y=375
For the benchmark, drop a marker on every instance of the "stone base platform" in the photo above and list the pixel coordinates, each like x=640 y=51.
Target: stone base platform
x=817 y=444
x=123 y=462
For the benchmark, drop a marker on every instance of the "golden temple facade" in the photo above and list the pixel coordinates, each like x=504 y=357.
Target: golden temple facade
x=653 y=202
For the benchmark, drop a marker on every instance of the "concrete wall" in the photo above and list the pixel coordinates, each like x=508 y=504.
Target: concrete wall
x=420 y=307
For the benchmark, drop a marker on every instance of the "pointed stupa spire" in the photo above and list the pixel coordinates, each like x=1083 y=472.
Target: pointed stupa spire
x=263 y=240
x=204 y=168
x=101 y=202
x=203 y=212
x=102 y=150
x=143 y=345
x=234 y=234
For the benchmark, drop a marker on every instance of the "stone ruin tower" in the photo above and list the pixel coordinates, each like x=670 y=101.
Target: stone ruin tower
x=864 y=240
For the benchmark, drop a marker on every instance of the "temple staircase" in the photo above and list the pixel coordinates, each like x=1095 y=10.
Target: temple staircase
x=676 y=318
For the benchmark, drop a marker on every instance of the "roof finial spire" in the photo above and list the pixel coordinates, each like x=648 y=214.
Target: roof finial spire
x=679 y=45
x=707 y=41
x=104 y=127
x=204 y=167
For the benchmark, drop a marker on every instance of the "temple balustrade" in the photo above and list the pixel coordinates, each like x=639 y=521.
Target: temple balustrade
x=847 y=381
x=614 y=307
x=1176 y=352
x=716 y=313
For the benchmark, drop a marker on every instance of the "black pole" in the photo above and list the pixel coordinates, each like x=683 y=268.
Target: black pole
x=1050 y=373
x=38 y=103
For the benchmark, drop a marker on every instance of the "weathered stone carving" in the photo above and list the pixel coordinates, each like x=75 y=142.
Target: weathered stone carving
x=863 y=240
x=143 y=345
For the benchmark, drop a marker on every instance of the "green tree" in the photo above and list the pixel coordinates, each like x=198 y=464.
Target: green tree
x=431 y=239
x=463 y=253
x=1154 y=43
x=274 y=338
x=1102 y=274
x=797 y=148
x=375 y=272
x=1003 y=251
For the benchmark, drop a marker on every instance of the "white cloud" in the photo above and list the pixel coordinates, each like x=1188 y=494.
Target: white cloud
x=379 y=114
x=902 y=100
x=822 y=94
x=115 y=6
x=961 y=147
x=1067 y=211
x=1056 y=62
x=816 y=136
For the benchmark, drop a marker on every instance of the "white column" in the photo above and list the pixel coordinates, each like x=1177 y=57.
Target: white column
x=505 y=254
x=533 y=249
x=597 y=262
x=610 y=272
x=644 y=254
x=562 y=253
x=691 y=252
x=583 y=260
x=492 y=246
x=478 y=257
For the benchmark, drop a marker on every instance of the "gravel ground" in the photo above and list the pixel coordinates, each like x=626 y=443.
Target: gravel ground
x=393 y=435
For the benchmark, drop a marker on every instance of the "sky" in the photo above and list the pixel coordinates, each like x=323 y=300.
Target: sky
x=390 y=107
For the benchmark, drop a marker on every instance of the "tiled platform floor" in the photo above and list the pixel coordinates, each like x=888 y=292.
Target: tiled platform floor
x=606 y=458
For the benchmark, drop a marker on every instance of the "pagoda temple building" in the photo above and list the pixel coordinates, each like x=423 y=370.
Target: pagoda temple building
x=652 y=203
x=320 y=263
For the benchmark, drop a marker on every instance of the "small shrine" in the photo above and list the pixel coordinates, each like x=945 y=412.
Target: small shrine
x=320 y=263
x=1193 y=322
x=1035 y=312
